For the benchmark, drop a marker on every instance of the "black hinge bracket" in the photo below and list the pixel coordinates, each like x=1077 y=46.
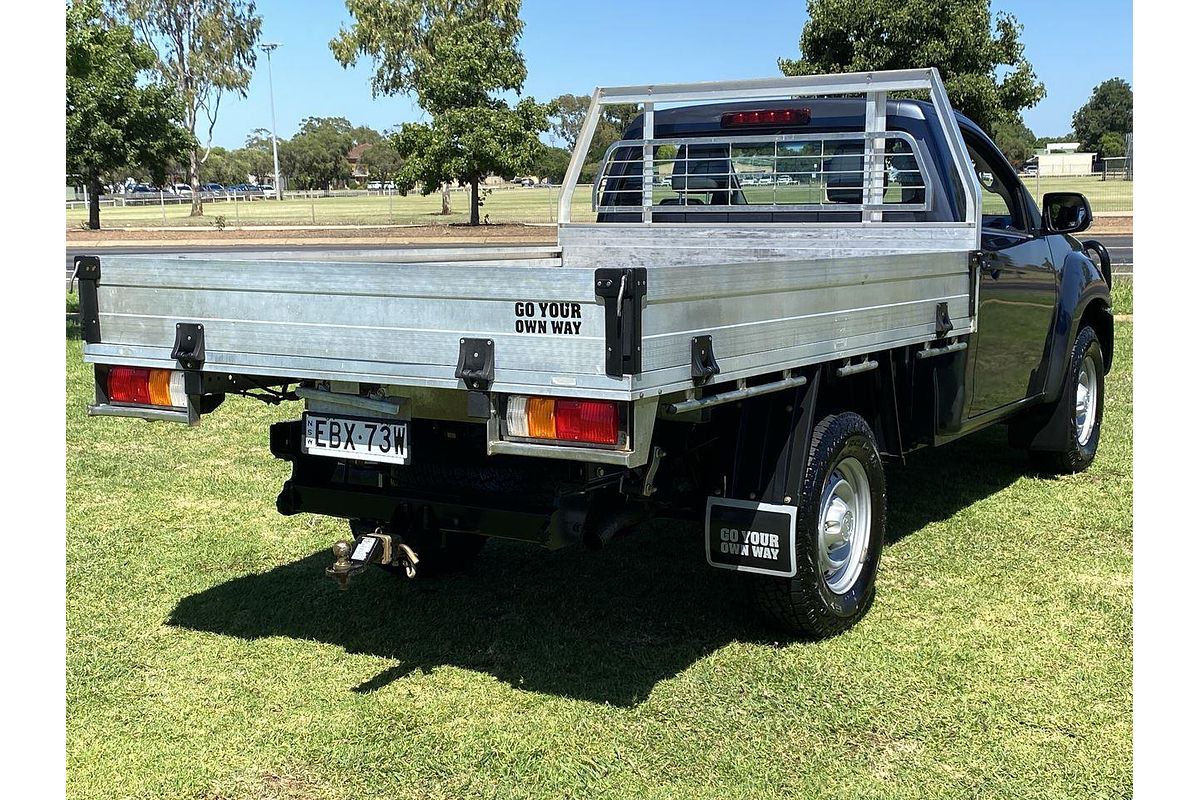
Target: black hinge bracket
x=941 y=320
x=623 y=291
x=189 y=345
x=476 y=363
x=704 y=360
x=87 y=272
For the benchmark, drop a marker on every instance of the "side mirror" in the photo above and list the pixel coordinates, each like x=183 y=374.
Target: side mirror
x=1065 y=212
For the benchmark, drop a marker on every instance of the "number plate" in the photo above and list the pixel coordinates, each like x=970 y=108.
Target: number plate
x=356 y=437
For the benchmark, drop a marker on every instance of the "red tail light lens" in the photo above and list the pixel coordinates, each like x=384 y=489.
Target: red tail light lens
x=780 y=116
x=594 y=421
x=129 y=385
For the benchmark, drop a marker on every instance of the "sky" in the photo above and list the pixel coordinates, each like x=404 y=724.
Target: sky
x=572 y=47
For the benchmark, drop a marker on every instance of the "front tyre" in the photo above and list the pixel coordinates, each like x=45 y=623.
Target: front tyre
x=838 y=539
x=1078 y=441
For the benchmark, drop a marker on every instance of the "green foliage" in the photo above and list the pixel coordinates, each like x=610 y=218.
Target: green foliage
x=455 y=56
x=1108 y=110
x=551 y=163
x=467 y=144
x=315 y=158
x=395 y=34
x=365 y=134
x=1111 y=145
x=205 y=48
x=567 y=119
x=225 y=166
x=114 y=120
x=980 y=57
x=382 y=160
x=258 y=155
x=1015 y=140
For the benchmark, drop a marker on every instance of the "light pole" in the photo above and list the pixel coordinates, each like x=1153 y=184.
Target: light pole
x=267 y=47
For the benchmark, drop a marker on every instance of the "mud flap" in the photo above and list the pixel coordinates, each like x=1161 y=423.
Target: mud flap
x=746 y=536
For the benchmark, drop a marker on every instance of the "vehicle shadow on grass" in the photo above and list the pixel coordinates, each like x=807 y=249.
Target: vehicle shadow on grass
x=604 y=627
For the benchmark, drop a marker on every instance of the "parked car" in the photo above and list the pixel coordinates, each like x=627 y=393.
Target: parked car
x=750 y=370
x=142 y=188
x=182 y=189
x=215 y=188
x=375 y=186
x=267 y=191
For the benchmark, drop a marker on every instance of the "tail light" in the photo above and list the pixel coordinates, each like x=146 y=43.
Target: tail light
x=766 y=117
x=146 y=387
x=584 y=421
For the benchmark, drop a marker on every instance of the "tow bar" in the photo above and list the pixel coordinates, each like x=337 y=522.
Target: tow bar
x=352 y=557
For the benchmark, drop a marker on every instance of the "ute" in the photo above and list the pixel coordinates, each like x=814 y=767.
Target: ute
x=785 y=282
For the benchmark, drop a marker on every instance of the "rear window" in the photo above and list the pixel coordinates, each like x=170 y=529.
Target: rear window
x=800 y=172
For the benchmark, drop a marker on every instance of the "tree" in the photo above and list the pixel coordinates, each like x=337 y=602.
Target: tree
x=1015 y=140
x=1108 y=110
x=114 y=120
x=456 y=56
x=204 y=48
x=981 y=59
x=567 y=120
x=382 y=160
x=226 y=166
x=1112 y=145
x=258 y=155
x=315 y=158
x=551 y=163
x=365 y=134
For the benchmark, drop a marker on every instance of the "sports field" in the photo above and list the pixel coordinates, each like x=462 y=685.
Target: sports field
x=537 y=205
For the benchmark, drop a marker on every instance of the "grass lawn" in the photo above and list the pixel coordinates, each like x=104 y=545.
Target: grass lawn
x=508 y=204
x=209 y=657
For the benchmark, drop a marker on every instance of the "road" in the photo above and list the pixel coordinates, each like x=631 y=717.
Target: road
x=1119 y=247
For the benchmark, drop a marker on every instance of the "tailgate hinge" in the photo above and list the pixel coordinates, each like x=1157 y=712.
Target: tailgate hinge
x=704 y=360
x=941 y=320
x=623 y=291
x=189 y=345
x=87 y=272
x=476 y=363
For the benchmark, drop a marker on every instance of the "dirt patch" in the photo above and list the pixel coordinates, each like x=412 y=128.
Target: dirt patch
x=1113 y=226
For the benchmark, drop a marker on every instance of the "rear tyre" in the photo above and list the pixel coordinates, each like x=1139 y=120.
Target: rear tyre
x=840 y=524
x=1085 y=379
x=439 y=552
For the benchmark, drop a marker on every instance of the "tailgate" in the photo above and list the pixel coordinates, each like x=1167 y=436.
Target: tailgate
x=393 y=317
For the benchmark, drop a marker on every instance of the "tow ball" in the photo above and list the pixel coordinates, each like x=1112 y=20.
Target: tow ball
x=352 y=557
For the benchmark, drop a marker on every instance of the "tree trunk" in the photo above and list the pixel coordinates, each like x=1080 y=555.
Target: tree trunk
x=475 y=201
x=94 y=204
x=197 y=204
x=445 y=199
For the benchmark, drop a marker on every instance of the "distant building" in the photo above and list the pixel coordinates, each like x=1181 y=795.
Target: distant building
x=1063 y=158
x=358 y=170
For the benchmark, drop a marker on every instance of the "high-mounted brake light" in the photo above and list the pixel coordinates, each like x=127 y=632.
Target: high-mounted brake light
x=586 y=421
x=766 y=117
x=146 y=387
